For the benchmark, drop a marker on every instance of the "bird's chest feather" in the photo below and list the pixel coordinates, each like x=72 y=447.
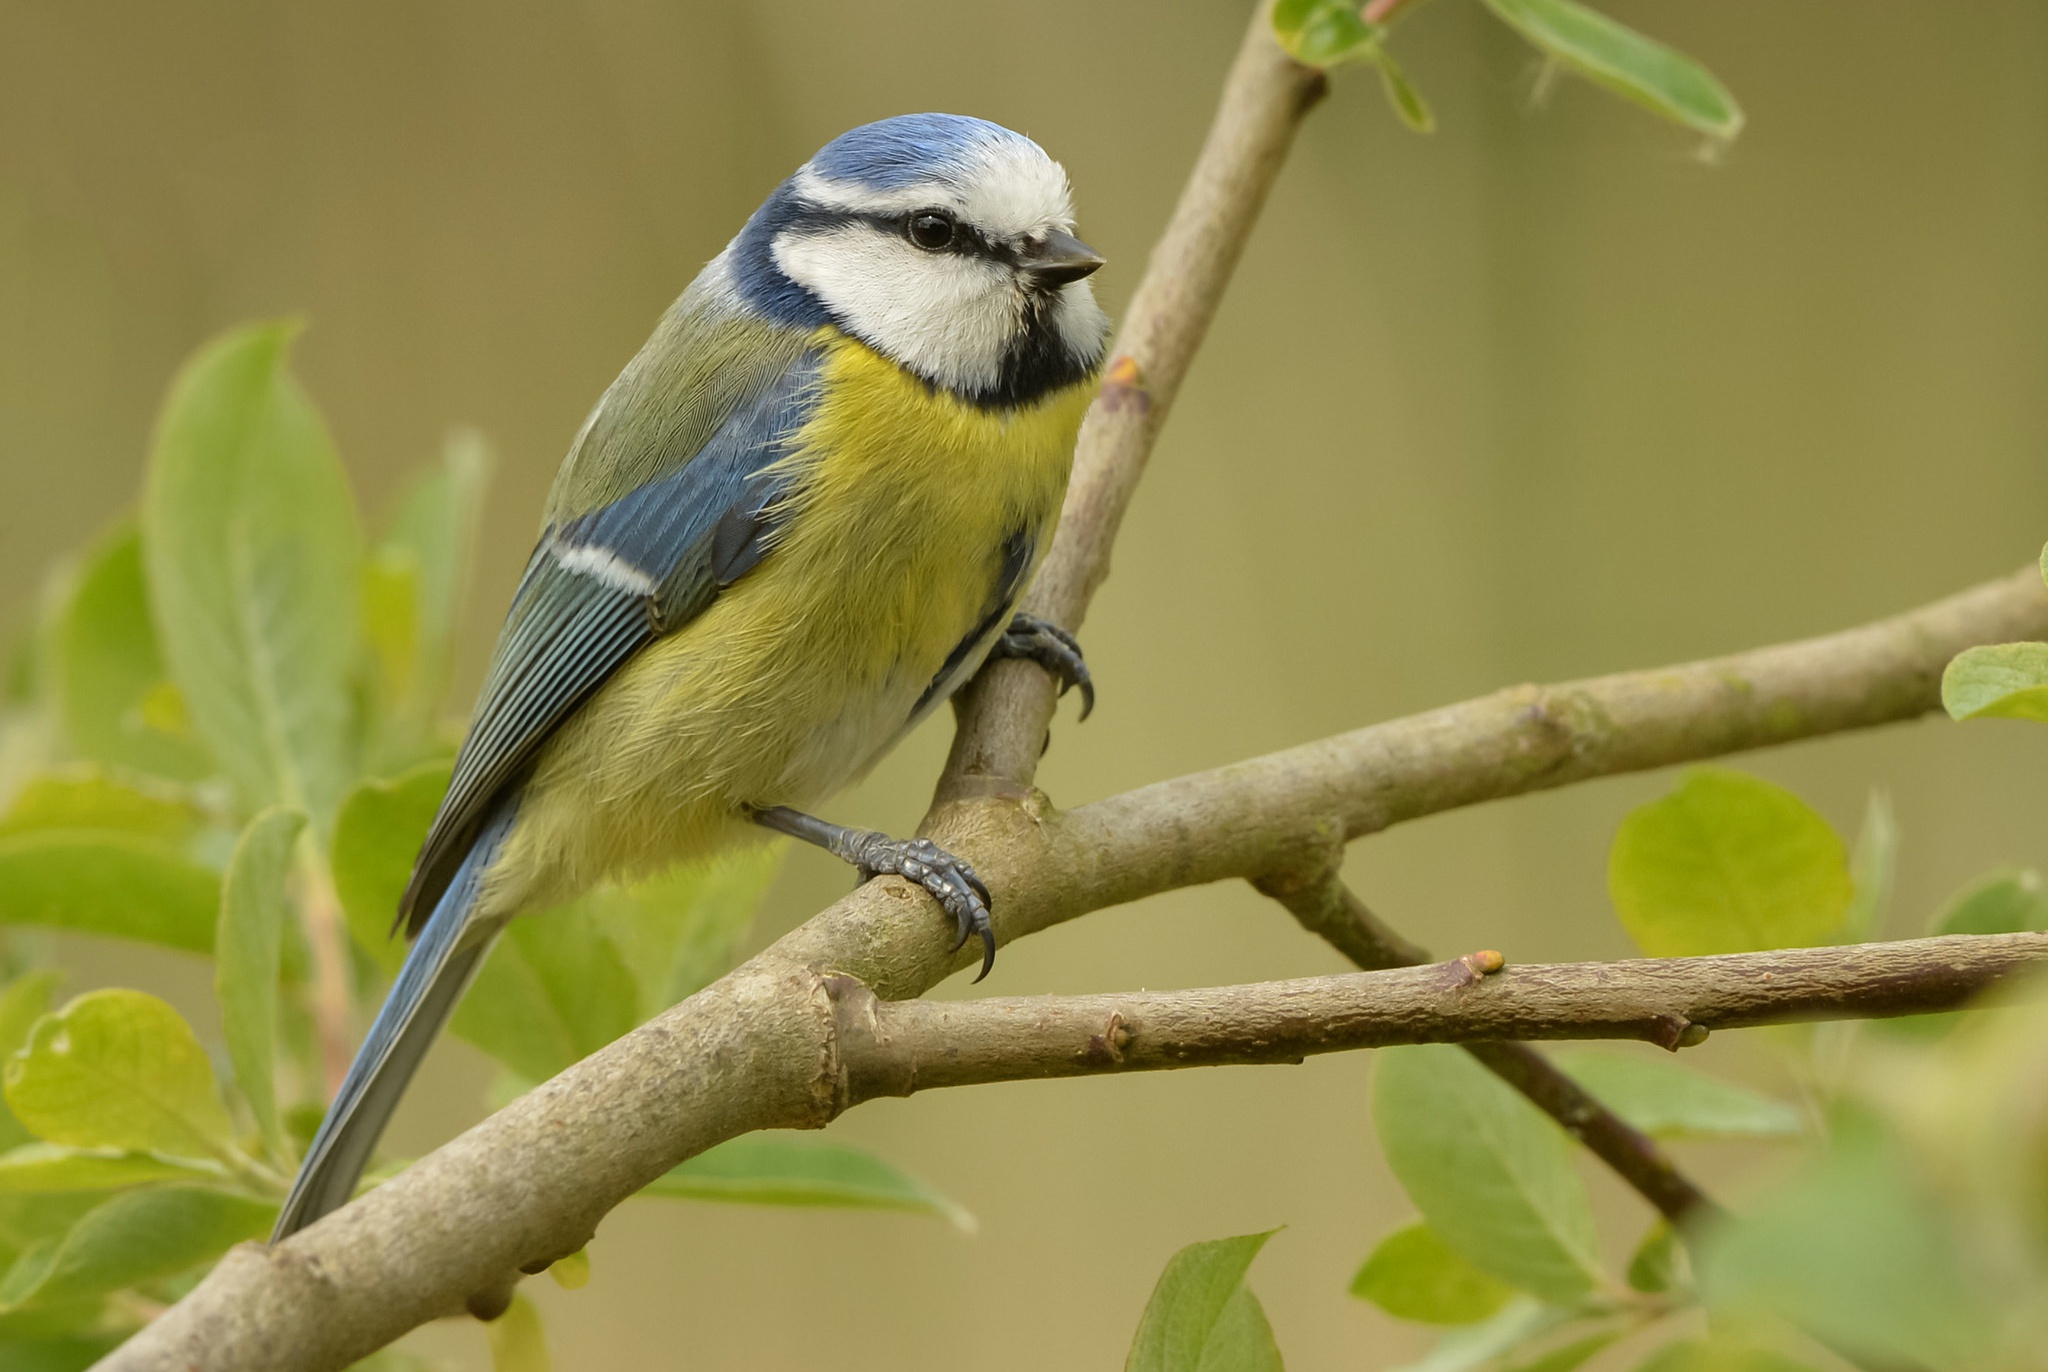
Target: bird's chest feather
x=912 y=518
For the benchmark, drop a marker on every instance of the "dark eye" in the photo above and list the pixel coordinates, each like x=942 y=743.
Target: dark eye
x=930 y=229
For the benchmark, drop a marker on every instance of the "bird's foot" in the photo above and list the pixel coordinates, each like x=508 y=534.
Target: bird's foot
x=950 y=881
x=1051 y=647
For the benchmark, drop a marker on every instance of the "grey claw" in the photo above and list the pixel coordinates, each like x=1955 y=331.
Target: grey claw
x=951 y=882
x=1052 y=648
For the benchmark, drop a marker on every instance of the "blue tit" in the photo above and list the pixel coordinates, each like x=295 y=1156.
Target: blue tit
x=799 y=520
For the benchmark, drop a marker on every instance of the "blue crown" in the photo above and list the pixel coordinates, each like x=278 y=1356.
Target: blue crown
x=890 y=154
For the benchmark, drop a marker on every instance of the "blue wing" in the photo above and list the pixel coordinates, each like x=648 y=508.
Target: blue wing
x=599 y=587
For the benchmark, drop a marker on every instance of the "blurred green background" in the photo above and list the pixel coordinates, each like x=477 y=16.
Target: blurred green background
x=1542 y=395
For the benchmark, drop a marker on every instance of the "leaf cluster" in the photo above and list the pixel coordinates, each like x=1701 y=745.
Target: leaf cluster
x=1570 y=36
x=227 y=739
x=1912 y=1232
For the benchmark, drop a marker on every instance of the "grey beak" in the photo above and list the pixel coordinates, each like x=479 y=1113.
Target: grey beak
x=1058 y=259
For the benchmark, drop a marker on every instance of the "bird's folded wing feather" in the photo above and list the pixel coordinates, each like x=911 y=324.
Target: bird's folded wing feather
x=633 y=564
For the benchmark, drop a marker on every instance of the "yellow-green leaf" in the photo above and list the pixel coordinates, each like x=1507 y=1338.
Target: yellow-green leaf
x=85 y=798
x=1491 y=1173
x=377 y=835
x=677 y=930
x=1999 y=681
x=35 y=1168
x=118 y=1069
x=1323 y=33
x=1669 y=1100
x=1637 y=68
x=105 y=882
x=518 y=1341
x=253 y=557
x=2010 y=901
x=1202 y=1317
x=1728 y=863
x=573 y=1272
x=553 y=991
x=248 y=952
x=135 y=1237
x=108 y=663
x=1414 y=1275
x=780 y=1169
x=23 y=1001
x=1407 y=102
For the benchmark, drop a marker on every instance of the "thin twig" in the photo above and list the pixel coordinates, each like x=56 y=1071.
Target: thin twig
x=327 y=938
x=1327 y=907
x=894 y=1048
x=1004 y=713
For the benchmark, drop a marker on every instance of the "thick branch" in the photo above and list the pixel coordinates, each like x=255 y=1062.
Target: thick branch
x=894 y=1048
x=533 y=1180
x=1290 y=811
x=1003 y=715
x=1328 y=907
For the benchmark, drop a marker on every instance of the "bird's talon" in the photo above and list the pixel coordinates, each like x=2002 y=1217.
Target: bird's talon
x=1053 y=649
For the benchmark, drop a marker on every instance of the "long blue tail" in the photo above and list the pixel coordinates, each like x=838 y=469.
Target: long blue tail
x=436 y=972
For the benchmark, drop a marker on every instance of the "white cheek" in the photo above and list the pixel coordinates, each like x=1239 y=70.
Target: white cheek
x=1080 y=322
x=947 y=317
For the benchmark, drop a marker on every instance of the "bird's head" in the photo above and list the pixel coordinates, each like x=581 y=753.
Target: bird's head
x=943 y=242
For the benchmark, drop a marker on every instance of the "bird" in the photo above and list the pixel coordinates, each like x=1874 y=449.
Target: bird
x=798 y=521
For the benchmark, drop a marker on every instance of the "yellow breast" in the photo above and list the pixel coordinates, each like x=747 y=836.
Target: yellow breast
x=799 y=676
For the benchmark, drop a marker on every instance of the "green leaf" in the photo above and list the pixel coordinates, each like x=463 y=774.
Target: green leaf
x=34 y=1168
x=775 y=1169
x=1241 y=1340
x=108 y=664
x=1637 y=68
x=553 y=991
x=2001 y=681
x=2010 y=901
x=250 y=539
x=1568 y=1356
x=1718 y=1355
x=1323 y=33
x=1489 y=1171
x=135 y=1237
x=1190 y=1317
x=573 y=1272
x=1405 y=99
x=1522 y=1321
x=518 y=1341
x=1873 y=866
x=1414 y=1275
x=1727 y=863
x=23 y=1001
x=1653 y=1267
x=118 y=1069
x=90 y=799
x=57 y=1353
x=677 y=931
x=249 y=950
x=1664 y=1098
x=377 y=835
x=120 y=885
x=1855 y=1251
x=418 y=579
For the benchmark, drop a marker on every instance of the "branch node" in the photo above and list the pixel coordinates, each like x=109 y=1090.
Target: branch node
x=1473 y=968
x=1673 y=1032
x=1108 y=1046
x=494 y=1300
x=1123 y=386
